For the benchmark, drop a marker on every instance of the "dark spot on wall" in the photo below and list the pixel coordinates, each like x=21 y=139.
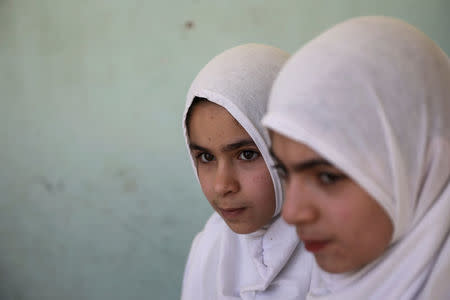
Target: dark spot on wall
x=49 y=186
x=189 y=25
x=127 y=180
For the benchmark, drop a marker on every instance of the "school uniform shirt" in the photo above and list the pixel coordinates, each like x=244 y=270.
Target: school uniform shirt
x=270 y=263
x=372 y=96
x=259 y=265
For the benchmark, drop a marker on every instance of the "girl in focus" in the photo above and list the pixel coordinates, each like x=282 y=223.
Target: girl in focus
x=245 y=250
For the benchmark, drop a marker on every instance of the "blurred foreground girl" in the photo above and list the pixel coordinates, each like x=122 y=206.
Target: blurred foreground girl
x=360 y=121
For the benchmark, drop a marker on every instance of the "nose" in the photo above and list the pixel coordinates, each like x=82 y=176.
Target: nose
x=297 y=207
x=226 y=181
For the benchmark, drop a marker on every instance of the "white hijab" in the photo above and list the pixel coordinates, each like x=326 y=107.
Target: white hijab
x=372 y=96
x=270 y=262
x=240 y=80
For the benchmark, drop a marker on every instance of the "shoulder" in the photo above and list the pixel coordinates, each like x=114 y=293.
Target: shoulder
x=206 y=244
x=203 y=260
x=211 y=234
x=215 y=222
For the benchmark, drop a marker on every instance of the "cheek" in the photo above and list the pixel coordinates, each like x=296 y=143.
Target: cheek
x=353 y=223
x=344 y=215
x=260 y=186
x=206 y=183
x=263 y=187
x=261 y=180
x=367 y=232
x=379 y=226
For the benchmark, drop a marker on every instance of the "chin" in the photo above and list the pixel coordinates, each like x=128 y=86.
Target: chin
x=332 y=270
x=333 y=267
x=241 y=229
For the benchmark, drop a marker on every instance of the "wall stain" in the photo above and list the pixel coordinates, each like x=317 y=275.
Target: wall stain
x=189 y=25
x=128 y=181
x=51 y=187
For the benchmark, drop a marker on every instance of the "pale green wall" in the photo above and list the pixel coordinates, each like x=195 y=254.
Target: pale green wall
x=98 y=200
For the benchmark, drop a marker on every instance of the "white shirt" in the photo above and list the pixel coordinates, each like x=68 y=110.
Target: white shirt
x=267 y=264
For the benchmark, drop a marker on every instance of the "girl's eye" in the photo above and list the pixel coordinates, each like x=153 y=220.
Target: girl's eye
x=248 y=155
x=205 y=157
x=329 y=178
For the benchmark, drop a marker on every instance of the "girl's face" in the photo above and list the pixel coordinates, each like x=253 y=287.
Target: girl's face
x=338 y=221
x=232 y=172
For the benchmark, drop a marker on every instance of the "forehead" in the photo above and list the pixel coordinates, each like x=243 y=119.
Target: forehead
x=289 y=150
x=210 y=122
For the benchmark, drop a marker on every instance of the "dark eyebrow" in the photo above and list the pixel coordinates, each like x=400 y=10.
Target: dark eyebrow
x=304 y=165
x=238 y=144
x=226 y=148
x=193 y=146
x=310 y=164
